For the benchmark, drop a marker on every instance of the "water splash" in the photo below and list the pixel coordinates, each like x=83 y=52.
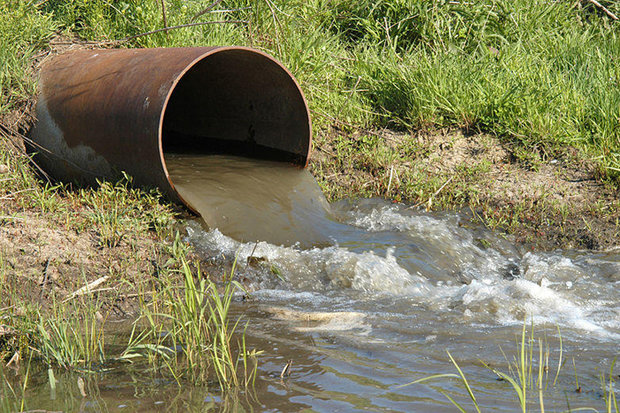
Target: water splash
x=370 y=254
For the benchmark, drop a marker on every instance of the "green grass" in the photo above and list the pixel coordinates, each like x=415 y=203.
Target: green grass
x=529 y=377
x=193 y=318
x=111 y=211
x=24 y=30
x=71 y=337
x=536 y=73
x=541 y=76
x=609 y=394
x=183 y=326
x=118 y=209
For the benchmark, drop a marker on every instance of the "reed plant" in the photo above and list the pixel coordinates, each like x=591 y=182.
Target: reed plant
x=185 y=326
x=609 y=392
x=190 y=333
x=13 y=396
x=460 y=376
x=529 y=375
x=71 y=337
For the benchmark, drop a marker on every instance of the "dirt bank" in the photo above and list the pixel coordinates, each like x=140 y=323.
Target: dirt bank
x=545 y=201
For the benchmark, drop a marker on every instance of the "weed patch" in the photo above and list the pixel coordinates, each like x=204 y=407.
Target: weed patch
x=529 y=376
x=183 y=332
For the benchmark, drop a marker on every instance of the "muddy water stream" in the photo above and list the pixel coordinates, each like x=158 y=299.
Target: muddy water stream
x=365 y=296
x=252 y=200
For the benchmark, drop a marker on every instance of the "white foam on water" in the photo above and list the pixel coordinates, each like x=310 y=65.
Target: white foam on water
x=455 y=247
x=318 y=268
x=544 y=292
x=306 y=297
x=556 y=267
x=388 y=218
x=511 y=301
x=550 y=288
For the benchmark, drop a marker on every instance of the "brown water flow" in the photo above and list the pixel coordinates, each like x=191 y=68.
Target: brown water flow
x=367 y=297
x=251 y=199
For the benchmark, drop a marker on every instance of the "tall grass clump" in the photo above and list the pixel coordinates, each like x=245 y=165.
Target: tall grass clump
x=187 y=330
x=529 y=376
x=185 y=327
x=68 y=334
x=542 y=74
x=71 y=337
x=23 y=31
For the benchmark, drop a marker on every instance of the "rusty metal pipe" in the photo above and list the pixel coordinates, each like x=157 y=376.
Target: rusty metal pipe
x=101 y=112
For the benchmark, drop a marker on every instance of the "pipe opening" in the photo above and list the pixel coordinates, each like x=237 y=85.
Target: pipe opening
x=237 y=102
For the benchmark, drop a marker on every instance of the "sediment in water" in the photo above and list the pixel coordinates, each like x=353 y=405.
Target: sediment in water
x=252 y=199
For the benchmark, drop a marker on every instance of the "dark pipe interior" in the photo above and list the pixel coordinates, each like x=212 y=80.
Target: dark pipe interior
x=237 y=102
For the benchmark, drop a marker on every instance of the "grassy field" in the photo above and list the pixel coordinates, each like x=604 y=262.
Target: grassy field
x=538 y=74
x=393 y=86
x=539 y=78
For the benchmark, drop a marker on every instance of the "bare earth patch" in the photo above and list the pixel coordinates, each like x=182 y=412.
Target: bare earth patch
x=43 y=260
x=544 y=203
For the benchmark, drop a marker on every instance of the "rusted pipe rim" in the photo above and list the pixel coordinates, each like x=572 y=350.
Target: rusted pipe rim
x=188 y=68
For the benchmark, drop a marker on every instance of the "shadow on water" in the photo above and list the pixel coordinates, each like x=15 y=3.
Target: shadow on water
x=124 y=389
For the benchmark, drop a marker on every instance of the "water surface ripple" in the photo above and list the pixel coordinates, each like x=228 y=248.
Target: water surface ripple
x=366 y=295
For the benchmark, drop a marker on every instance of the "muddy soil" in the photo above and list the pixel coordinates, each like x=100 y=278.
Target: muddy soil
x=542 y=201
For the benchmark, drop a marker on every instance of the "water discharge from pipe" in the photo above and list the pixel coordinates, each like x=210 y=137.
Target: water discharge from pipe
x=100 y=112
x=369 y=248
x=393 y=284
x=254 y=200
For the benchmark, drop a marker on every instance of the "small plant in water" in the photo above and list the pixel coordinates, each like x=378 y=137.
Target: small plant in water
x=190 y=333
x=526 y=376
x=461 y=376
x=608 y=390
x=72 y=337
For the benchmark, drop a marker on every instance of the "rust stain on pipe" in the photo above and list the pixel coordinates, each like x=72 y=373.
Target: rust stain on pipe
x=101 y=112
